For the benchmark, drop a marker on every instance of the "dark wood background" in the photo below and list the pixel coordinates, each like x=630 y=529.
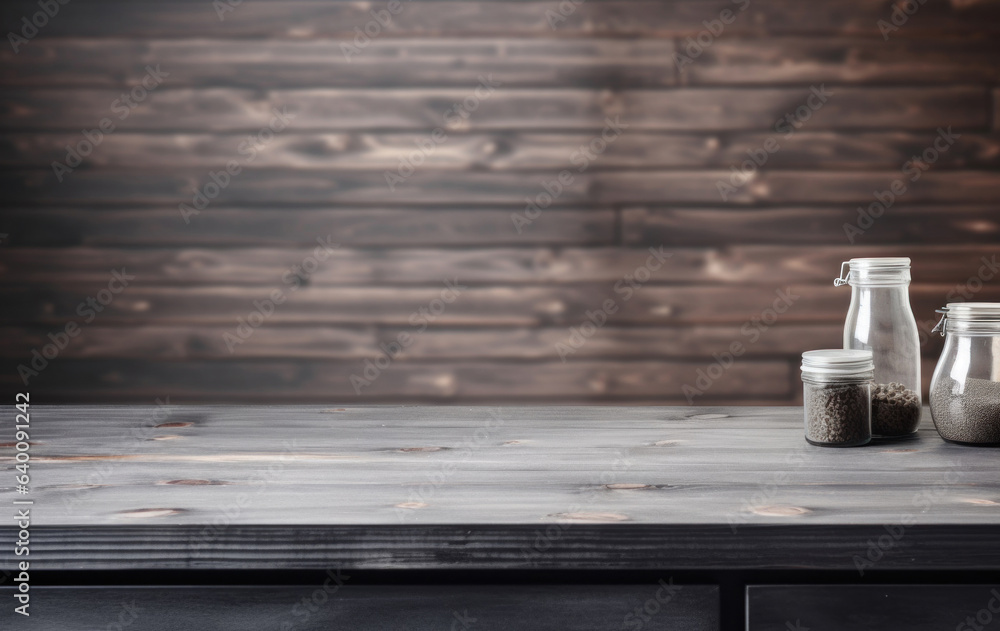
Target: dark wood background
x=324 y=175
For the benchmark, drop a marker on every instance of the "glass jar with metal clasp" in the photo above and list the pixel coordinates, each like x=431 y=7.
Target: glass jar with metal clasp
x=965 y=388
x=880 y=320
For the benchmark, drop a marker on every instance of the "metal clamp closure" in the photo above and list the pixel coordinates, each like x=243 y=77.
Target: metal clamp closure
x=942 y=324
x=844 y=278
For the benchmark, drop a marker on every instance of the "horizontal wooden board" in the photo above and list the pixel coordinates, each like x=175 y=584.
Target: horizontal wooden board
x=818 y=187
x=171 y=343
x=580 y=545
x=336 y=602
x=305 y=19
x=422 y=227
x=270 y=187
x=234 y=109
x=476 y=306
x=507 y=151
x=235 y=379
x=490 y=226
x=898 y=60
x=680 y=227
x=260 y=227
x=323 y=266
x=457 y=62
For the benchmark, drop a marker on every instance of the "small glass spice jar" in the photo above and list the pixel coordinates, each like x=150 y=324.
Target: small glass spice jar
x=837 y=397
x=965 y=388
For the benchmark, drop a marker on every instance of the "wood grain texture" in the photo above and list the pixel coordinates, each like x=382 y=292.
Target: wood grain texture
x=856 y=607
x=284 y=268
x=777 y=60
x=965 y=224
x=502 y=151
x=454 y=62
x=477 y=306
x=710 y=109
x=290 y=227
x=126 y=187
x=613 y=487
x=311 y=19
x=338 y=603
x=642 y=63
x=185 y=342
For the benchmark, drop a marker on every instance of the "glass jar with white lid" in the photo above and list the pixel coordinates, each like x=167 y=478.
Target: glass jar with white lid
x=836 y=397
x=880 y=320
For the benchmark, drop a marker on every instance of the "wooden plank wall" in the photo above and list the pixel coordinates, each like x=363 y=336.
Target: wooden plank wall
x=559 y=73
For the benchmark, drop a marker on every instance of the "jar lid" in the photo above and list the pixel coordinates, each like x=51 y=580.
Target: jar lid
x=838 y=361
x=967 y=314
x=871 y=265
x=881 y=263
x=972 y=311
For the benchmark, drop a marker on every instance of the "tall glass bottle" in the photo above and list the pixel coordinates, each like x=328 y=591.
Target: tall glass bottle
x=880 y=320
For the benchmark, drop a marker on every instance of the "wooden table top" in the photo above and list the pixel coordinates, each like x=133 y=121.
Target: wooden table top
x=549 y=487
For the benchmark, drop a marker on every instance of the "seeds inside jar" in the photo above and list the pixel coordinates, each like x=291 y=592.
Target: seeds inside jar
x=895 y=409
x=837 y=414
x=973 y=416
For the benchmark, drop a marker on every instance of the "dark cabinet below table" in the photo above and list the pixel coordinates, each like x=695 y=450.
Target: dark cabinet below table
x=867 y=607
x=649 y=607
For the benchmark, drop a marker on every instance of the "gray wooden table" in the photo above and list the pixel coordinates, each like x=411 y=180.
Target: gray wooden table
x=553 y=517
